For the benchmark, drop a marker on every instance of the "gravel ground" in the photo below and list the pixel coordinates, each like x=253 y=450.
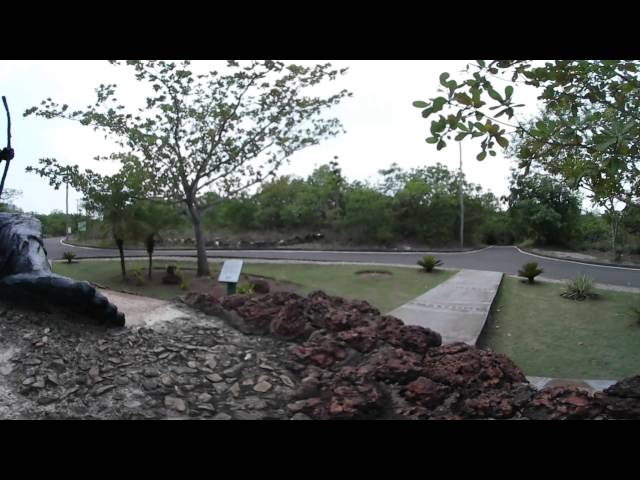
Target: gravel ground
x=53 y=367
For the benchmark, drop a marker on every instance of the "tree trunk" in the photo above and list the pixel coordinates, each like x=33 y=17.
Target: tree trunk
x=615 y=228
x=120 y=244
x=150 y=244
x=203 y=265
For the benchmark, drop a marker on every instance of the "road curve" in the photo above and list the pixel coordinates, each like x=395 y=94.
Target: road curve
x=499 y=259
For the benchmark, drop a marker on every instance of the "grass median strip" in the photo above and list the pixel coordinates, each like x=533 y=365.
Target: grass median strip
x=384 y=291
x=547 y=335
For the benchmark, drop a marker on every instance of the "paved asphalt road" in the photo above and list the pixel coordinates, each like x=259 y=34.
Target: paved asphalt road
x=499 y=259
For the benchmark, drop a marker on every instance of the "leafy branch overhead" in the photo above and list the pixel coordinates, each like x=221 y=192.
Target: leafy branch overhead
x=592 y=106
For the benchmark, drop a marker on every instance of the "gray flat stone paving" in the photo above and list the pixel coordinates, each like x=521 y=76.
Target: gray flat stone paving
x=457 y=309
x=592 y=385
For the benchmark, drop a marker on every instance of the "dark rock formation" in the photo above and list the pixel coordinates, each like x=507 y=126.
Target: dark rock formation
x=260 y=286
x=622 y=400
x=26 y=276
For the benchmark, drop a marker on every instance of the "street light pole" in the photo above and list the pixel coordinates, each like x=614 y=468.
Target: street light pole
x=461 y=200
x=66 y=222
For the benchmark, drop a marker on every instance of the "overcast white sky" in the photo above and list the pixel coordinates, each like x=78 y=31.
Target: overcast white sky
x=382 y=125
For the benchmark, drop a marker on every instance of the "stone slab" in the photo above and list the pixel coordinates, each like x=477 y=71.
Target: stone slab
x=591 y=385
x=457 y=309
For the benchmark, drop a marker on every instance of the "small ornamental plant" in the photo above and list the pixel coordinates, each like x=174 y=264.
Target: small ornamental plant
x=69 y=256
x=579 y=289
x=429 y=262
x=246 y=288
x=530 y=271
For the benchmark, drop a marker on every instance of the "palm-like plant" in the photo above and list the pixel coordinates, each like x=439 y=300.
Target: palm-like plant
x=530 y=271
x=579 y=289
x=429 y=262
x=69 y=256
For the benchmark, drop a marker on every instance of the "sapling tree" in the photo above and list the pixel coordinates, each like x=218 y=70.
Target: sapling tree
x=111 y=196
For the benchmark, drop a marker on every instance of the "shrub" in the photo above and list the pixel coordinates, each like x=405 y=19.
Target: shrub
x=429 y=262
x=530 y=271
x=246 y=288
x=138 y=277
x=635 y=313
x=579 y=289
x=69 y=256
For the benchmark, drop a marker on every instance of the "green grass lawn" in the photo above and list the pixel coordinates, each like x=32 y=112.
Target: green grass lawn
x=547 y=335
x=384 y=292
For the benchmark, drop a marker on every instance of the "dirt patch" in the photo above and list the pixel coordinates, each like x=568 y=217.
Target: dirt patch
x=374 y=273
x=211 y=286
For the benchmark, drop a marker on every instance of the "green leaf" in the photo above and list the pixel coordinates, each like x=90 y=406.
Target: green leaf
x=606 y=144
x=441 y=145
x=495 y=95
x=463 y=98
x=460 y=136
x=438 y=103
x=508 y=91
x=481 y=156
x=439 y=126
x=420 y=104
x=503 y=142
x=482 y=63
x=443 y=78
x=432 y=140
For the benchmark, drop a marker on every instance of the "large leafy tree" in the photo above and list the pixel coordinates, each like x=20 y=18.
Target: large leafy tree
x=543 y=208
x=221 y=132
x=587 y=132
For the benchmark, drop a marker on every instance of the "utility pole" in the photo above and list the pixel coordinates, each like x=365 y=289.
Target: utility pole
x=461 y=200
x=66 y=221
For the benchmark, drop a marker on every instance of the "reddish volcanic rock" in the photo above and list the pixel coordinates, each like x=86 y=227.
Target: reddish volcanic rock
x=323 y=355
x=290 y=322
x=563 y=403
x=493 y=404
x=470 y=368
x=356 y=402
x=407 y=411
x=355 y=363
x=205 y=303
x=363 y=338
x=395 y=365
x=412 y=337
x=425 y=392
x=233 y=302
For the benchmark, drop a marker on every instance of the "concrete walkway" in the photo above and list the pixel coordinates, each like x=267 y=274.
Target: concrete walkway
x=457 y=309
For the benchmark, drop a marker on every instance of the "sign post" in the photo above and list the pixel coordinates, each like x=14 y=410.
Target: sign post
x=230 y=274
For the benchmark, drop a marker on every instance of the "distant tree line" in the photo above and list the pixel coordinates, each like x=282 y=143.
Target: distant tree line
x=415 y=206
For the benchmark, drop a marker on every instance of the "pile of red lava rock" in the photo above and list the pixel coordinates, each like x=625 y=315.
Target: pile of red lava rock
x=354 y=363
